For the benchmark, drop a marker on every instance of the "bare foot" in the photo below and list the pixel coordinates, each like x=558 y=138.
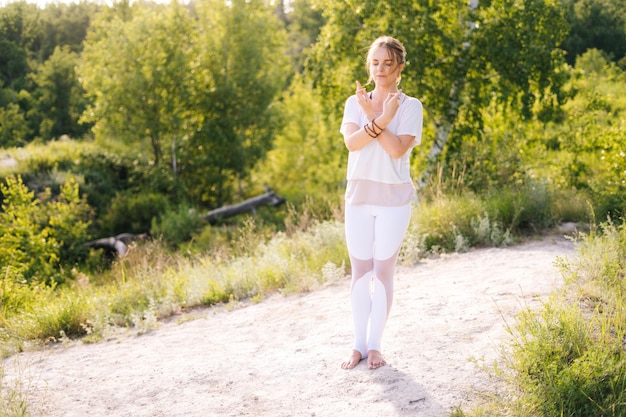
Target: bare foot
x=375 y=359
x=352 y=361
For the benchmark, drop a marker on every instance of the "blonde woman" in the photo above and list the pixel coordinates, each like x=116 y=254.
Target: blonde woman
x=380 y=129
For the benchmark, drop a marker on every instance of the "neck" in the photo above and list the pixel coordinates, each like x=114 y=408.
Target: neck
x=386 y=90
x=380 y=93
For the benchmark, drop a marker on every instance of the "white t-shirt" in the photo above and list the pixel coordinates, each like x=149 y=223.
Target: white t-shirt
x=374 y=177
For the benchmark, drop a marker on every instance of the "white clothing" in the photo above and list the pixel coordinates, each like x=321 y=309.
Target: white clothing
x=377 y=215
x=375 y=232
x=372 y=162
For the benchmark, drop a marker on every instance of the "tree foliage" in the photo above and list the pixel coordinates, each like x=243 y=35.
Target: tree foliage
x=31 y=91
x=595 y=24
x=13 y=126
x=202 y=82
x=308 y=157
x=134 y=68
x=240 y=68
x=38 y=236
x=58 y=96
x=596 y=157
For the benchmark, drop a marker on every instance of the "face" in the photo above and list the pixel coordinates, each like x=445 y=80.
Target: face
x=383 y=68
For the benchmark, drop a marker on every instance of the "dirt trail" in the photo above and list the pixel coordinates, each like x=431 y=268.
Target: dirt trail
x=281 y=357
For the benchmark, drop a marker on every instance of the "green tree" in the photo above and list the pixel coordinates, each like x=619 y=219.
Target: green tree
x=65 y=25
x=19 y=24
x=304 y=22
x=13 y=78
x=308 y=158
x=13 y=65
x=58 y=96
x=240 y=68
x=13 y=126
x=135 y=69
x=595 y=24
x=28 y=37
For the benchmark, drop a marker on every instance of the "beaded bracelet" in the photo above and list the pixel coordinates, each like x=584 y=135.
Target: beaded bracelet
x=376 y=126
x=370 y=131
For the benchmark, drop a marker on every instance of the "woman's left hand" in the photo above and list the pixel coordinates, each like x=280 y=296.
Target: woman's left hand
x=391 y=104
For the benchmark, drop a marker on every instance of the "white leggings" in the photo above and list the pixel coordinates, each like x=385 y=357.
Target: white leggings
x=373 y=235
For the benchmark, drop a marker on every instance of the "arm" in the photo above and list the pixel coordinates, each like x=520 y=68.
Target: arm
x=355 y=138
x=394 y=145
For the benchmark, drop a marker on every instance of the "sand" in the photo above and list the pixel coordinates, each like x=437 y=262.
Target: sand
x=281 y=357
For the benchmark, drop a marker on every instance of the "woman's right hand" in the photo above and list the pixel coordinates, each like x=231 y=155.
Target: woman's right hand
x=364 y=100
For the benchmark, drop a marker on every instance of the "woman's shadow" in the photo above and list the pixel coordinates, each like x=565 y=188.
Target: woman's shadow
x=407 y=396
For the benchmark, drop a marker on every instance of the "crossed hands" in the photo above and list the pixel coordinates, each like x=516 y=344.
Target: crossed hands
x=390 y=104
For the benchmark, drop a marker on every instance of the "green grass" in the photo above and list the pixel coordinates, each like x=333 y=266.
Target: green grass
x=568 y=357
x=49 y=158
x=13 y=401
x=151 y=283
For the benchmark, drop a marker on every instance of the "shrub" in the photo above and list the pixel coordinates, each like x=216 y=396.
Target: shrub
x=108 y=174
x=39 y=236
x=133 y=213
x=568 y=358
x=177 y=225
x=525 y=208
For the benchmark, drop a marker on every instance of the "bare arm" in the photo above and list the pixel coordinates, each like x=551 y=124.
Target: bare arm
x=356 y=138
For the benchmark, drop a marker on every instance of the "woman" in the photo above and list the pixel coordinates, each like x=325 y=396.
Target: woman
x=380 y=128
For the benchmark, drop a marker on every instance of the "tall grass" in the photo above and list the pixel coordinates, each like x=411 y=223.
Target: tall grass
x=151 y=283
x=568 y=358
x=53 y=157
x=13 y=402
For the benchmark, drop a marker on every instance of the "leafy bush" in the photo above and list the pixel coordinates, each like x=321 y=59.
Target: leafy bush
x=109 y=173
x=585 y=151
x=37 y=236
x=176 y=225
x=133 y=213
x=525 y=208
x=561 y=367
x=568 y=358
x=105 y=174
x=455 y=222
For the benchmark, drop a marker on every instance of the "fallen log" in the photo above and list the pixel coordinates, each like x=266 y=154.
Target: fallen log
x=116 y=244
x=268 y=198
x=119 y=244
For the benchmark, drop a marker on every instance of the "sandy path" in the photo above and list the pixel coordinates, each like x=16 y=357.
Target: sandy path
x=281 y=357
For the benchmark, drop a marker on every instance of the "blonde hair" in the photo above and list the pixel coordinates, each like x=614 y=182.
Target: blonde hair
x=395 y=49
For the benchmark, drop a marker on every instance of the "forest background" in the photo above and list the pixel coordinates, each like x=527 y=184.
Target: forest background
x=138 y=118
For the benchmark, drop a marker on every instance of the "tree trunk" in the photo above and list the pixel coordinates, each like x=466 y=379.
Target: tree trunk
x=268 y=198
x=443 y=128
